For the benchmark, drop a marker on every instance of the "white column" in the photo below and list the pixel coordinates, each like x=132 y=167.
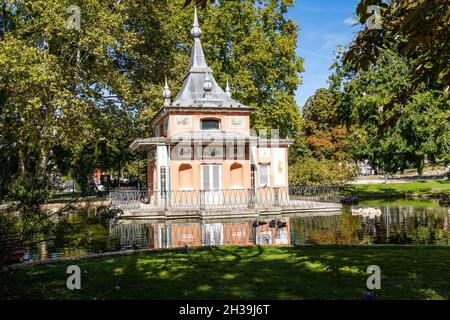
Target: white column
x=161 y=161
x=168 y=187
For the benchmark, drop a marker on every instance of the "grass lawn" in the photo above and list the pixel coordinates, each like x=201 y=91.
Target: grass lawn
x=319 y=272
x=425 y=187
x=422 y=203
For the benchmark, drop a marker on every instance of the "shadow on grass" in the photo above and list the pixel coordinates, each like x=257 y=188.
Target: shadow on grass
x=329 y=272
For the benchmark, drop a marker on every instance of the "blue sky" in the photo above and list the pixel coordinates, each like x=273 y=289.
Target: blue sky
x=324 y=24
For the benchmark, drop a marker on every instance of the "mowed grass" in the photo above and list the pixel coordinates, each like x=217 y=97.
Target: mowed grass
x=258 y=272
x=420 y=203
x=425 y=187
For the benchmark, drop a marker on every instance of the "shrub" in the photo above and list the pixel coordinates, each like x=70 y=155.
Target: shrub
x=310 y=172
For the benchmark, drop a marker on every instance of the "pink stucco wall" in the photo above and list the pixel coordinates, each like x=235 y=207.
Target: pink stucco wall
x=196 y=117
x=196 y=174
x=278 y=161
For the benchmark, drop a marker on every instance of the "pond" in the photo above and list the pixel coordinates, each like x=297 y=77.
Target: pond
x=397 y=222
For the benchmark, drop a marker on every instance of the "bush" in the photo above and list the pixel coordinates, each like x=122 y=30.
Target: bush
x=310 y=172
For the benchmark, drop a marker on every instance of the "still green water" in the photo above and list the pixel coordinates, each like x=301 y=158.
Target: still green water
x=398 y=222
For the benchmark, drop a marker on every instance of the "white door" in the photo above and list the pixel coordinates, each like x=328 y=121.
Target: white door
x=211 y=175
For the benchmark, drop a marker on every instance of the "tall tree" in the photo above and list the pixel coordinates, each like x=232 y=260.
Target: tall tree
x=325 y=136
x=252 y=44
x=418 y=31
x=422 y=132
x=95 y=88
x=201 y=3
x=54 y=77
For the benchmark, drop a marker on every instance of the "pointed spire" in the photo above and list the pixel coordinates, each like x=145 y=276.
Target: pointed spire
x=227 y=89
x=198 y=59
x=199 y=86
x=166 y=93
x=196 y=32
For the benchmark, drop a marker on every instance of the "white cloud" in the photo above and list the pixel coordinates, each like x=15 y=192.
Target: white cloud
x=316 y=54
x=350 y=21
x=333 y=39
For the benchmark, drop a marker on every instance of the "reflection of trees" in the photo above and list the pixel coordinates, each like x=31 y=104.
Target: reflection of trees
x=406 y=225
x=350 y=226
x=396 y=225
x=430 y=228
x=325 y=229
x=82 y=233
x=76 y=233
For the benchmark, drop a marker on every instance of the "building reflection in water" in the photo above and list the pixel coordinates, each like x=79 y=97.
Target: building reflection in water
x=424 y=224
x=182 y=233
x=395 y=225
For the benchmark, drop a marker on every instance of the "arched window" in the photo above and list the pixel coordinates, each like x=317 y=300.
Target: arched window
x=185 y=176
x=210 y=124
x=236 y=175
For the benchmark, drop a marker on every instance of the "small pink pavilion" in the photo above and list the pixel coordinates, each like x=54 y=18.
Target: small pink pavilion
x=204 y=157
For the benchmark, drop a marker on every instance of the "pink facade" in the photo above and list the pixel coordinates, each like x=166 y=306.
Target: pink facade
x=203 y=139
x=178 y=122
x=185 y=174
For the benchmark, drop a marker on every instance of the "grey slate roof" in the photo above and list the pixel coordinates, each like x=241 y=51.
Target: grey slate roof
x=192 y=92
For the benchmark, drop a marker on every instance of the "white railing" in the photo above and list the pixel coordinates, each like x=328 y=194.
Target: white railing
x=223 y=199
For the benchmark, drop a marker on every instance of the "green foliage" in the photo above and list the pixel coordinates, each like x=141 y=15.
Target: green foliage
x=73 y=100
x=310 y=171
x=201 y=3
x=54 y=81
x=422 y=133
x=253 y=46
x=299 y=149
x=418 y=31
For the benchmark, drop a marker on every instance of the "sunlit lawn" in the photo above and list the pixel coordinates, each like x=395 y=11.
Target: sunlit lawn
x=402 y=202
x=319 y=272
x=426 y=187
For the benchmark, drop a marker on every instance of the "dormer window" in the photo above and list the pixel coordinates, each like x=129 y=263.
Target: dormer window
x=210 y=124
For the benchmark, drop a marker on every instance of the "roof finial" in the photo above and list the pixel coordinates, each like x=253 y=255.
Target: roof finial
x=166 y=93
x=196 y=32
x=207 y=86
x=227 y=90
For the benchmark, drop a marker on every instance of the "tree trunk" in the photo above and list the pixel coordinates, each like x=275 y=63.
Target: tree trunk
x=43 y=148
x=22 y=160
x=43 y=159
x=22 y=156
